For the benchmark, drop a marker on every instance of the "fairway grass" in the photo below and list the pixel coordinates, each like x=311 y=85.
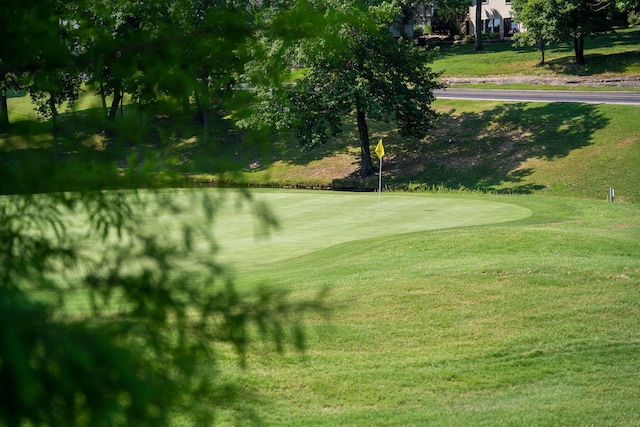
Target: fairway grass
x=446 y=309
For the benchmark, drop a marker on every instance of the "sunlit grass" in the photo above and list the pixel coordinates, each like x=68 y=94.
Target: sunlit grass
x=609 y=54
x=532 y=322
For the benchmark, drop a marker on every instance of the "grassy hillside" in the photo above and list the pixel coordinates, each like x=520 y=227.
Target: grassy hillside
x=447 y=309
x=556 y=149
x=559 y=149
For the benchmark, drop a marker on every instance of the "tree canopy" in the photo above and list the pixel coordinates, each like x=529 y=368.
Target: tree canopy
x=541 y=22
x=354 y=65
x=564 y=20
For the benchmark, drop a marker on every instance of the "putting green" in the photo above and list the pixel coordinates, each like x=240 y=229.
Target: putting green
x=314 y=220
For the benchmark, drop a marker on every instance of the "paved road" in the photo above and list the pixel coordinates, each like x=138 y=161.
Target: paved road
x=630 y=98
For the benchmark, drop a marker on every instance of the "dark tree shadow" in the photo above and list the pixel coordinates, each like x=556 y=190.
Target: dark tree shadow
x=456 y=155
x=484 y=150
x=82 y=151
x=595 y=64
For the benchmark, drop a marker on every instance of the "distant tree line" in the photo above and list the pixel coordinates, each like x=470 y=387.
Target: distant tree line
x=177 y=48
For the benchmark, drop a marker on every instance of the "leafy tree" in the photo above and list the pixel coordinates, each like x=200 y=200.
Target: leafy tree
x=540 y=19
x=55 y=79
x=120 y=46
x=562 y=20
x=578 y=19
x=34 y=34
x=118 y=331
x=452 y=13
x=211 y=65
x=356 y=66
x=628 y=5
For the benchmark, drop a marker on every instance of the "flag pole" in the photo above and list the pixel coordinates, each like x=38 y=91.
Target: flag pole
x=380 y=184
x=380 y=153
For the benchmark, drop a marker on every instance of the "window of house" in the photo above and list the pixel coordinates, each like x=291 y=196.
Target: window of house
x=507 y=27
x=491 y=25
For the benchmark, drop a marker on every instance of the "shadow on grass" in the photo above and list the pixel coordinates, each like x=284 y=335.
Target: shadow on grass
x=454 y=50
x=617 y=53
x=84 y=151
x=16 y=93
x=480 y=150
x=486 y=150
x=81 y=151
x=595 y=64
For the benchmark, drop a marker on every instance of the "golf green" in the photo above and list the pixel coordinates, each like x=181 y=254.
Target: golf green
x=314 y=220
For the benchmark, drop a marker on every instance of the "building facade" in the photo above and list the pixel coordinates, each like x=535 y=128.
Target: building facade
x=496 y=18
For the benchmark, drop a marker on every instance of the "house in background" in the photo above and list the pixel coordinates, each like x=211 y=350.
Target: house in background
x=403 y=25
x=496 y=18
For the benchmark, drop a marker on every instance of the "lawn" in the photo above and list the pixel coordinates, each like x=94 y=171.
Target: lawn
x=551 y=149
x=446 y=309
x=606 y=55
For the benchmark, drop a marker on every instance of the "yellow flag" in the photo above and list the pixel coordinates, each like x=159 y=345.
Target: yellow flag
x=379 y=149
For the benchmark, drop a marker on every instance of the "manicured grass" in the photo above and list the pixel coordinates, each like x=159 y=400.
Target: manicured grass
x=312 y=220
x=555 y=149
x=524 y=86
x=529 y=322
x=446 y=309
x=609 y=54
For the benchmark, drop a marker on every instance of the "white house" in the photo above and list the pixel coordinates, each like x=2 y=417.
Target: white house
x=496 y=18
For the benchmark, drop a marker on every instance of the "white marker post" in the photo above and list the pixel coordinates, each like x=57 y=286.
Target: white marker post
x=380 y=153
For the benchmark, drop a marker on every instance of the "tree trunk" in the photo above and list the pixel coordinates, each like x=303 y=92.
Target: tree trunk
x=478 y=25
x=578 y=47
x=202 y=102
x=117 y=97
x=104 y=101
x=186 y=105
x=54 y=113
x=4 y=110
x=542 y=50
x=366 y=165
x=122 y=104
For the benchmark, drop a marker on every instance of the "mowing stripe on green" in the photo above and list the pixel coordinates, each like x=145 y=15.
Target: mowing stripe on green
x=314 y=220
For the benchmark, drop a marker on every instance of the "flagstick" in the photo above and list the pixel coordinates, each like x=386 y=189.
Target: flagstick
x=380 y=184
